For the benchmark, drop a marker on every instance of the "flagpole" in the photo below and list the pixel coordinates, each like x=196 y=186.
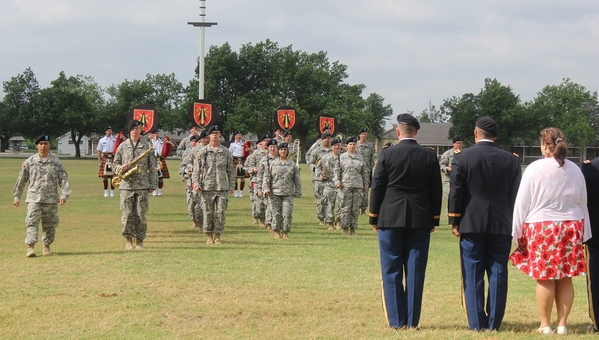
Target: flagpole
x=202 y=24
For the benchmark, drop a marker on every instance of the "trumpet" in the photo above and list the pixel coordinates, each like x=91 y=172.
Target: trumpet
x=121 y=175
x=297 y=147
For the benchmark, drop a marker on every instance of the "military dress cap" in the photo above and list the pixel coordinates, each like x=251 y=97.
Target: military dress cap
x=282 y=145
x=362 y=130
x=287 y=133
x=272 y=142
x=351 y=140
x=107 y=128
x=457 y=139
x=489 y=125
x=264 y=136
x=42 y=138
x=133 y=123
x=335 y=141
x=325 y=135
x=408 y=119
x=213 y=128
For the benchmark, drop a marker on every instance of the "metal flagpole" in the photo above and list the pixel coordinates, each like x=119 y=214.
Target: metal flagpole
x=202 y=24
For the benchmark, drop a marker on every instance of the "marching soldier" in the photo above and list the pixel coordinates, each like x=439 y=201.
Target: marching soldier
x=45 y=174
x=317 y=154
x=290 y=145
x=351 y=178
x=134 y=189
x=214 y=177
x=105 y=154
x=185 y=171
x=281 y=184
x=262 y=172
x=184 y=144
x=366 y=149
x=327 y=168
x=251 y=167
x=237 y=149
x=445 y=162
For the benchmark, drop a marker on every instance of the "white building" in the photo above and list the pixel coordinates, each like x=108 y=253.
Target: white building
x=65 y=145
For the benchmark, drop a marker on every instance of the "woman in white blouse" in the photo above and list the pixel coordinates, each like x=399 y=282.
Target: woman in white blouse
x=550 y=223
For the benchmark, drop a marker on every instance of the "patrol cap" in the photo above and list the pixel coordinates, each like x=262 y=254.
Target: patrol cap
x=272 y=142
x=335 y=141
x=362 y=130
x=133 y=123
x=213 y=128
x=457 y=139
x=264 y=136
x=282 y=145
x=202 y=134
x=194 y=139
x=287 y=133
x=42 y=138
x=325 y=135
x=351 y=140
x=107 y=128
x=408 y=119
x=489 y=125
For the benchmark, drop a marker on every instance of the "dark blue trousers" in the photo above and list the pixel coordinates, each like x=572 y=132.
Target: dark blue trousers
x=482 y=254
x=403 y=250
x=592 y=255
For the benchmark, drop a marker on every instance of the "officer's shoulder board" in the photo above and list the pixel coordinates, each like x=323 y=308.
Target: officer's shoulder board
x=586 y=161
x=430 y=147
x=516 y=155
x=458 y=151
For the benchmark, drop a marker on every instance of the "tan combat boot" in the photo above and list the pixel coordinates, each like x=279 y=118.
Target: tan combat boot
x=321 y=221
x=285 y=235
x=363 y=212
x=139 y=244
x=345 y=231
x=262 y=224
x=338 y=224
x=210 y=239
x=331 y=227
x=352 y=231
x=217 y=239
x=129 y=244
x=255 y=220
x=277 y=234
x=31 y=250
x=46 y=250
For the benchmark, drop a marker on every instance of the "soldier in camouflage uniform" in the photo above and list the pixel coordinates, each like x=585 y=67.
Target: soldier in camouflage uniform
x=45 y=174
x=318 y=186
x=326 y=167
x=366 y=149
x=292 y=147
x=281 y=183
x=251 y=166
x=134 y=189
x=214 y=176
x=351 y=178
x=262 y=169
x=445 y=163
x=185 y=171
x=184 y=144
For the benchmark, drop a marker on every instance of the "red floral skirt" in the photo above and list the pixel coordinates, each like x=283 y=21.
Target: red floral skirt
x=553 y=251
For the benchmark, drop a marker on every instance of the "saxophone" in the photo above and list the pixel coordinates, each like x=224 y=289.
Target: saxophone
x=121 y=175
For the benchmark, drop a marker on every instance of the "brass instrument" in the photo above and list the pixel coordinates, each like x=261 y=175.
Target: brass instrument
x=159 y=168
x=121 y=175
x=298 y=150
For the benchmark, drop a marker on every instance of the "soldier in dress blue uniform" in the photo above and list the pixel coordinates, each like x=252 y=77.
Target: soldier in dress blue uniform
x=405 y=205
x=484 y=184
x=590 y=170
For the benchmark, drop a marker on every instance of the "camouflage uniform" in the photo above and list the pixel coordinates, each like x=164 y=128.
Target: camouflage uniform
x=260 y=179
x=183 y=145
x=367 y=152
x=213 y=172
x=185 y=171
x=44 y=176
x=445 y=162
x=318 y=153
x=134 y=190
x=352 y=173
x=253 y=161
x=329 y=194
x=282 y=181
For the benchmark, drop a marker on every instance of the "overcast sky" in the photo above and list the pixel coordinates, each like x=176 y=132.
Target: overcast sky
x=410 y=52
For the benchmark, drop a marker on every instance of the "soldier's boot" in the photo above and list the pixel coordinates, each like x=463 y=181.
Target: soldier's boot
x=285 y=235
x=363 y=212
x=255 y=220
x=331 y=227
x=139 y=244
x=352 y=231
x=262 y=224
x=217 y=239
x=31 y=250
x=46 y=250
x=268 y=227
x=129 y=244
x=321 y=221
x=277 y=234
x=345 y=231
x=338 y=224
x=210 y=238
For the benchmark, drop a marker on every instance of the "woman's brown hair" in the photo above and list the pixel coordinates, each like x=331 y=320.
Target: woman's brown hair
x=554 y=139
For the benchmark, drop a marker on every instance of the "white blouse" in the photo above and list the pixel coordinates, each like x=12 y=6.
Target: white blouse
x=550 y=193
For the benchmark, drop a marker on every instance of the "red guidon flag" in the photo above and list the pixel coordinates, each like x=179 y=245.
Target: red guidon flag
x=325 y=122
x=286 y=119
x=146 y=117
x=202 y=114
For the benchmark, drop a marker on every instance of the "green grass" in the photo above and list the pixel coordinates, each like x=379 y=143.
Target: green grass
x=318 y=284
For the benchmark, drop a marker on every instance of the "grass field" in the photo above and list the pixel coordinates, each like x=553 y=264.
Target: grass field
x=318 y=284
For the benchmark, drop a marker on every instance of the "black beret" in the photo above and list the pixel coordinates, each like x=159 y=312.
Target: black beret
x=272 y=142
x=282 y=145
x=107 y=128
x=351 y=140
x=42 y=138
x=202 y=134
x=325 y=135
x=212 y=129
x=408 y=119
x=489 y=125
x=287 y=133
x=362 y=130
x=335 y=141
x=133 y=124
x=264 y=136
x=457 y=139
